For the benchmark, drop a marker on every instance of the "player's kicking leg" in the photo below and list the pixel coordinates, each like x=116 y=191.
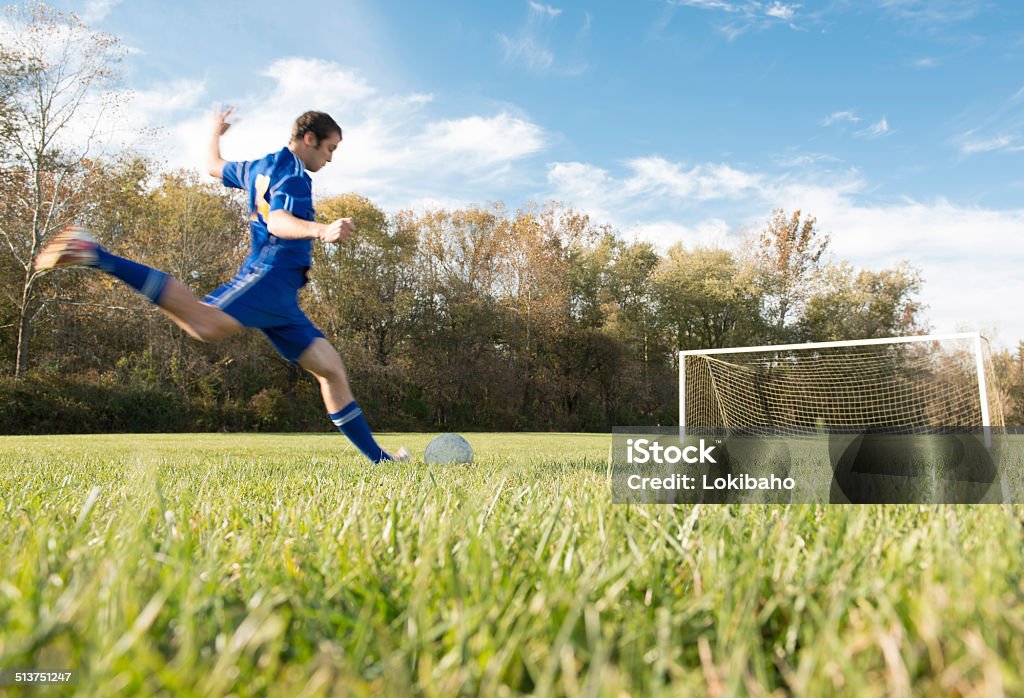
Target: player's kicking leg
x=74 y=246
x=323 y=361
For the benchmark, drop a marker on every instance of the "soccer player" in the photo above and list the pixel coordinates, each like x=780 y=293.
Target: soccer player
x=264 y=292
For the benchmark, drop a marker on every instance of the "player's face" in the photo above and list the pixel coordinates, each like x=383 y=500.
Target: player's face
x=323 y=152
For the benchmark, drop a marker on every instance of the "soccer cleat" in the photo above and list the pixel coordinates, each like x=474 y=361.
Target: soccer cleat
x=402 y=454
x=72 y=247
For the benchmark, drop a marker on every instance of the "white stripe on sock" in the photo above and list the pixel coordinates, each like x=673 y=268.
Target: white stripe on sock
x=152 y=284
x=345 y=419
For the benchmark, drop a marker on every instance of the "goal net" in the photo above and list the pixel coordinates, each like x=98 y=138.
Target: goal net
x=923 y=383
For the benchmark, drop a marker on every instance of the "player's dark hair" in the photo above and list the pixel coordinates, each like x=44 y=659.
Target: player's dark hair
x=318 y=123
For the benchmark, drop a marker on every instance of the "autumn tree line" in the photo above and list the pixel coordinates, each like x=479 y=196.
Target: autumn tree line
x=479 y=318
x=475 y=318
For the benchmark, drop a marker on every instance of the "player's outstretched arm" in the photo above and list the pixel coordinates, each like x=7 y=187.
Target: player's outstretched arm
x=218 y=127
x=283 y=224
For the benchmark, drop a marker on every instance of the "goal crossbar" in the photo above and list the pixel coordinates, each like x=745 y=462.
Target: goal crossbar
x=841 y=343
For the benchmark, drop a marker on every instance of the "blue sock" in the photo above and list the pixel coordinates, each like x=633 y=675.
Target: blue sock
x=351 y=422
x=146 y=280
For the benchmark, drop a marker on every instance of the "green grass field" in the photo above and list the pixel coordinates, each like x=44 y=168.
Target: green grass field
x=285 y=565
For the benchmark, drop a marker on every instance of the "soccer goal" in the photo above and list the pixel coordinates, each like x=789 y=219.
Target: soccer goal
x=901 y=383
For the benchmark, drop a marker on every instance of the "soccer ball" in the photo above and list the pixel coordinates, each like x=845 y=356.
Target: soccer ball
x=448 y=448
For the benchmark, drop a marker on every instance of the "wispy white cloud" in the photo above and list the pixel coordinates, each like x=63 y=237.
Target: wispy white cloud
x=292 y=76
x=548 y=10
x=797 y=160
x=528 y=51
x=707 y=4
x=159 y=105
x=840 y=117
x=932 y=12
x=653 y=185
x=532 y=46
x=875 y=130
x=969 y=144
x=653 y=181
x=97 y=10
x=482 y=140
x=737 y=17
x=744 y=15
x=781 y=11
x=991 y=128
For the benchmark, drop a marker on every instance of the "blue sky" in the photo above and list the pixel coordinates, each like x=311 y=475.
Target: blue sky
x=898 y=123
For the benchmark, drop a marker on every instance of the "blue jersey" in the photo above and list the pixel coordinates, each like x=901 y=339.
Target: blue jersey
x=275 y=182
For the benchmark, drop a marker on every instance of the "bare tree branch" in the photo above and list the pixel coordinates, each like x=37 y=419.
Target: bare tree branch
x=67 y=65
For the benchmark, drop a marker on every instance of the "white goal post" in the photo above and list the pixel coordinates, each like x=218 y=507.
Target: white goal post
x=919 y=382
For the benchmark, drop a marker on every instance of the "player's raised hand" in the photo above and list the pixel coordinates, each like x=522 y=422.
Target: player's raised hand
x=339 y=231
x=219 y=119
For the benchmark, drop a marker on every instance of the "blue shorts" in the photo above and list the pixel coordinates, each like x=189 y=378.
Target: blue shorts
x=267 y=298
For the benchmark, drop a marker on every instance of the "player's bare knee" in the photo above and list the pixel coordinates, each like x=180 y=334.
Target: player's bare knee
x=330 y=373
